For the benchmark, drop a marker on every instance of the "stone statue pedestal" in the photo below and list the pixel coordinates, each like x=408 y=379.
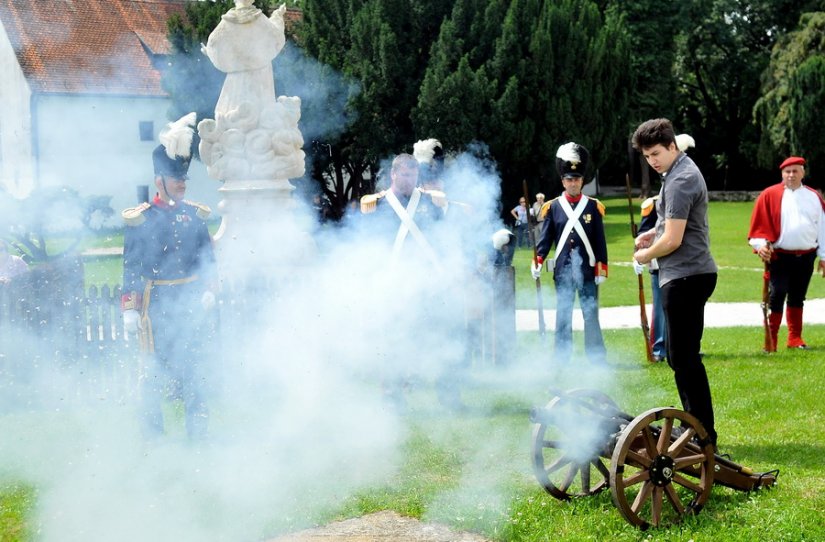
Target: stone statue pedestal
x=262 y=235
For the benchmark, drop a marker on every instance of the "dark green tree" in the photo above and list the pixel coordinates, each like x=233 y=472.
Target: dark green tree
x=382 y=47
x=188 y=75
x=652 y=26
x=567 y=80
x=724 y=48
x=807 y=102
x=789 y=88
x=549 y=73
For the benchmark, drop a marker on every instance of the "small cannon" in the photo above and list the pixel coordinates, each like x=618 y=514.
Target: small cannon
x=657 y=471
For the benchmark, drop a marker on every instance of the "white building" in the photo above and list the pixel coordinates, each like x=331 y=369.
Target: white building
x=80 y=98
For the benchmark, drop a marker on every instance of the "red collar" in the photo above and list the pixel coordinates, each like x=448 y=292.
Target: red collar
x=572 y=199
x=158 y=202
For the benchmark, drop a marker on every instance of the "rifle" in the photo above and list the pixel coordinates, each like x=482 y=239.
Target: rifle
x=642 y=304
x=766 y=297
x=539 y=302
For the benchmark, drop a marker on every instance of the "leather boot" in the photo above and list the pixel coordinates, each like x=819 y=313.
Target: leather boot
x=774 y=320
x=793 y=315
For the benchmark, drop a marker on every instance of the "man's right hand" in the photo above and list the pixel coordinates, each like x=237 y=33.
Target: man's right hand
x=638 y=268
x=131 y=321
x=535 y=270
x=765 y=252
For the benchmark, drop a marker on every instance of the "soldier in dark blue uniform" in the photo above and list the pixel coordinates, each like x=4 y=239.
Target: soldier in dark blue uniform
x=404 y=212
x=573 y=224
x=407 y=219
x=169 y=280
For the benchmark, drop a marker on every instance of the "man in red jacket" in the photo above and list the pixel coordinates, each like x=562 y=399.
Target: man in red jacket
x=787 y=231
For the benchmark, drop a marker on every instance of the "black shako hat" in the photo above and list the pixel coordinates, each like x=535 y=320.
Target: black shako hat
x=172 y=157
x=572 y=160
x=177 y=167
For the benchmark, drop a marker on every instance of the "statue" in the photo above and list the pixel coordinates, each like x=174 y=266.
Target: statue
x=254 y=146
x=254 y=136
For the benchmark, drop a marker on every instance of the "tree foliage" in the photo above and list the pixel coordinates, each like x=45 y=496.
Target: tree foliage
x=381 y=48
x=549 y=73
x=807 y=102
x=789 y=109
x=524 y=76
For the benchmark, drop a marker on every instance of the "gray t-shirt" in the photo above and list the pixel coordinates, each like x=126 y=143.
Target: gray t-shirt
x=684 y=195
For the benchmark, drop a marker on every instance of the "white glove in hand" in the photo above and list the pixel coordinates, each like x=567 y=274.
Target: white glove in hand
x=638 y=268
x=131 y=320
x=600 y=279
x=208 y=301
x=535 y=270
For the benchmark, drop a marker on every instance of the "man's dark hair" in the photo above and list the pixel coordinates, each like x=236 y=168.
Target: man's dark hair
x=653 y=132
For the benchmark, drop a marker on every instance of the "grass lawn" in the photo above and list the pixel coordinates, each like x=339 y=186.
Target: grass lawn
x=472 y=471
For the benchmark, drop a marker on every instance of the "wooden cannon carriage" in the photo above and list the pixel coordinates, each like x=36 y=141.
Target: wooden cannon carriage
x=657 y=470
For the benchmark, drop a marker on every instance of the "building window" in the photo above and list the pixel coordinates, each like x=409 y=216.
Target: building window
x=147 y=130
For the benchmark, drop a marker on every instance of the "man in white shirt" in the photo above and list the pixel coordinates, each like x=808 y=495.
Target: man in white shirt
x=787 y=231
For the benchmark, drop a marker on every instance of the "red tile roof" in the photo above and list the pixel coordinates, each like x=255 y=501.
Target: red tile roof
x=89 y=46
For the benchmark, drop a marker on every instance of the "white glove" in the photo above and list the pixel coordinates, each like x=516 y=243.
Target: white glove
x=208 y=301
x=638 y=268
x=535 y=270
x=600 y=279
x=131 y=320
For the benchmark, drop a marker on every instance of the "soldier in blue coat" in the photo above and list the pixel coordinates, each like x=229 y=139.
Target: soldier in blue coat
x=406 y=218
x=573 y=223
x=169 y=280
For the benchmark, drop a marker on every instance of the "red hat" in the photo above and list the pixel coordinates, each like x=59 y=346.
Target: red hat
x=792 y=161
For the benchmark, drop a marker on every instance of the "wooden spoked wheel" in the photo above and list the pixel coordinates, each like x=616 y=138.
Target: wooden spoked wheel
x=658 y=475
x=570 y=441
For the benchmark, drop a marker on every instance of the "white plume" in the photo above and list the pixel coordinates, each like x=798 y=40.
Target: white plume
x=176 y=136
x=424 y=150
x=501 y=238
x=569 y=152
x=684 y=142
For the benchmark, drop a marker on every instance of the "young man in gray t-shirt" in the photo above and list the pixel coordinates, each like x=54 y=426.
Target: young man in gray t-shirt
x=687 y=272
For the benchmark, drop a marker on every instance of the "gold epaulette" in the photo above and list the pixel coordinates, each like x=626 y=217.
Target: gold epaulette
x=545 y=209
x=370 y=202
x=133 y=216
x=600 y=206
x=203 y=211
x=439 y=198
x=648 y=204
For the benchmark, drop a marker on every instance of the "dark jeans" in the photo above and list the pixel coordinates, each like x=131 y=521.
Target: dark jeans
x=790 y=277
x=658 y=329
x=522 y=240
x=684 y=303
